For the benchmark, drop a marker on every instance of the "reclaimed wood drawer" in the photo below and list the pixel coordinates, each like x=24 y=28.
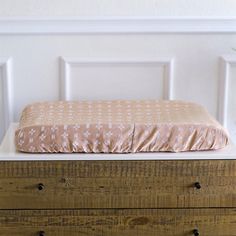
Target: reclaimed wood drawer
x=129 y=222
x=117 y=184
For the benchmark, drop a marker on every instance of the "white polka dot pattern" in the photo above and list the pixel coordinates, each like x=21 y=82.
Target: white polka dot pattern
x=118 y=126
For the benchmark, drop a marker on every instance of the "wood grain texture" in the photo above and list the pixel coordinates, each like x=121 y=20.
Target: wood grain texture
x=117 y=184
x=162 y=192
x=130 y=169
x=89 y=198
x=125 y=222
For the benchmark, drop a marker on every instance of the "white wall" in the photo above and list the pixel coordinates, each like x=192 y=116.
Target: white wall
x=36 y=61
x=35 y=57
x=54 y=8
x=1 y=106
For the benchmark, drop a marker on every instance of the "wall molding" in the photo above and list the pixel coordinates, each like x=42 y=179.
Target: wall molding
x=7 y=94
x=227 y=61
x=67 y=63
x=115 y=25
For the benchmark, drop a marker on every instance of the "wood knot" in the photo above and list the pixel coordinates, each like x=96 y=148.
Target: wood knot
x=63 y=180
x=66 y=181
x=139 y=221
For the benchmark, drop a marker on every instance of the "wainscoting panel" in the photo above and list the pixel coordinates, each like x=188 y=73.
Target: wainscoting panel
x=227 y=97
x=6 y=94
x=116 y=59
x=116 y=78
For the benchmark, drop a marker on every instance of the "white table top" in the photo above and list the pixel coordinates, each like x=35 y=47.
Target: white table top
x=9 y=153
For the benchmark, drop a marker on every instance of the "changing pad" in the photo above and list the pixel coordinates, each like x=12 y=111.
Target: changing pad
x=118 y=126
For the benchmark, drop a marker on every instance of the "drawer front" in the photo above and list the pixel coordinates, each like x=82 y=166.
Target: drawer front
x=115 y=184
x=168 y=222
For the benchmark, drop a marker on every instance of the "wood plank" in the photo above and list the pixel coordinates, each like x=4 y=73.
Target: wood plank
x=138 y=192
x=117 y=184
x=125 y=222
x=100 y=169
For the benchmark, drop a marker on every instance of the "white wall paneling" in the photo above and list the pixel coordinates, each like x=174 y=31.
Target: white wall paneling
x=117 y=25
x=126 y=47
x=6 y=94
x=130 y=78
x=226 y=90
x=227 y=62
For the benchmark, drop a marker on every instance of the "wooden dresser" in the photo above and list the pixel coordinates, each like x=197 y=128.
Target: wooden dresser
x=118 y=198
